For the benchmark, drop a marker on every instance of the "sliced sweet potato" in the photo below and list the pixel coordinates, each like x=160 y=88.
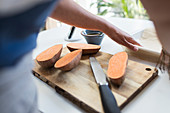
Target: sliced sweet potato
x=48 y=57
x=117 y=67
x=69 y=61
x=86 y=48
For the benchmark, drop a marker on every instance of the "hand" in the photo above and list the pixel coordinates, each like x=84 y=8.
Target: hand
x=71 y=13
x=122 y=38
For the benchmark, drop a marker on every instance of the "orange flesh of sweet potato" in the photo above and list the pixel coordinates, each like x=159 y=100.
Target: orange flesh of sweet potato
x=48 y=57
x=69 y=61
x=86 y=48
x=117 y=68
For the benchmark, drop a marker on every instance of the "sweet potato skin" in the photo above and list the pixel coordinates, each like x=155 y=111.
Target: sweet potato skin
x=85 y=51
x=50 y=63
x=71 y=64
x=117 y=81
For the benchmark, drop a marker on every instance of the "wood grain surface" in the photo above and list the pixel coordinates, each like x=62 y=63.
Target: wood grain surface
x=79 y=85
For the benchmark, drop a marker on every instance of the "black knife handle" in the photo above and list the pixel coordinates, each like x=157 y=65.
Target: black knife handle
x=71 y=33
x=108 y=100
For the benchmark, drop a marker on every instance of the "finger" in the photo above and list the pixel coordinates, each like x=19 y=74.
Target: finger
x=131 y=40
x=129 y=45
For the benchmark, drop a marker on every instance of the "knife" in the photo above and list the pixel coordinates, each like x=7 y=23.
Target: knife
x=108 y=100
x=71 y=33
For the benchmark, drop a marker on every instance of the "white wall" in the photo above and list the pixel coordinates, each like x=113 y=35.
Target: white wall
x=86 y=5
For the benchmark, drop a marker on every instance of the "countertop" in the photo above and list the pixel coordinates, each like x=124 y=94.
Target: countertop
x=155 y=98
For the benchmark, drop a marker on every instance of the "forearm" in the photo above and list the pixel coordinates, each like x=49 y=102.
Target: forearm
x=71 y=13
x=158 y=11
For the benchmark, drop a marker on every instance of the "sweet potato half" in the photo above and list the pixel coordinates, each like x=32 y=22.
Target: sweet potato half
x=48 y=57
x=86 y=48
x=117 y=67
x=69 y=61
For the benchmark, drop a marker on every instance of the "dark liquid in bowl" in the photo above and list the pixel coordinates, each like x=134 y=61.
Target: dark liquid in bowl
x=94 y=33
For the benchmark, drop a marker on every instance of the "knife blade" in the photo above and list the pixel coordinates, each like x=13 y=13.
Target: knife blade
x=108 y=100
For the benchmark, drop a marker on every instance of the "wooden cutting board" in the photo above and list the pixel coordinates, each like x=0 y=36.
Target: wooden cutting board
x=79 y=86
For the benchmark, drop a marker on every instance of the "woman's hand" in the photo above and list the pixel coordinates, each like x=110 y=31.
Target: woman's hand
x=69 y=12
x=121 y=37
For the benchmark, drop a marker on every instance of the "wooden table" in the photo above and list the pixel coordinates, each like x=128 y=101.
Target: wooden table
x=155 y=98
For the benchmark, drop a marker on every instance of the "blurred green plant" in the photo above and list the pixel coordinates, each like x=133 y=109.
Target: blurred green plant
x=121 y=8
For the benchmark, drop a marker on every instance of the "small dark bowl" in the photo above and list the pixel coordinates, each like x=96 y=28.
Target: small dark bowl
x=93 y=37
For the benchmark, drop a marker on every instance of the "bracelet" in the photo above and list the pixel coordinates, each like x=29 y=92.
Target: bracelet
x=164 y=61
